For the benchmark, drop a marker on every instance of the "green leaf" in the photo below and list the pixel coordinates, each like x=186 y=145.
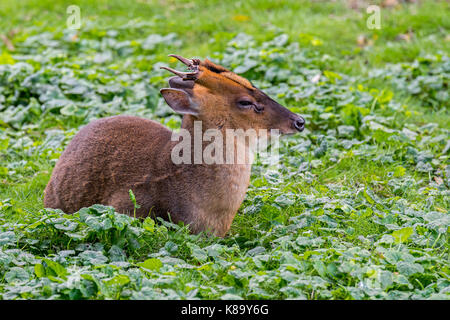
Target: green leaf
x=55 y=268
x=4 y=143
x=133 y=199
x=151 y=264
x=385 y=278
x=119 y=280
x=408 y=268
x=402 y=235
x=16 y=274
x=399 y=171
x=3 y=171
x=368 y=196
x=93 y=257
x=69 y=110
x=385 y=96
x=39 y=270
x=199 y=254
x=332 y=76
x=7 y=237
x=320 y=268
x=149 y=224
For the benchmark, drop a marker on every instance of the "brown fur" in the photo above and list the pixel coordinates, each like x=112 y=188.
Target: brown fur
x=109 y=156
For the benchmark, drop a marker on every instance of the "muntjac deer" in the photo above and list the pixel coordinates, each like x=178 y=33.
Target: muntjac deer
x=110 y=156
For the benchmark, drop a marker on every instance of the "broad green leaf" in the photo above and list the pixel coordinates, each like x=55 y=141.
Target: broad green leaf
x=118 y=280
x=3 y=171
x=55 y=268
x=93 y=257
x=7 y=237
x=4 y=143
x=151 y=264
x=16 y=275
x=399 y=171
x=408 y=268
x=402 y=235
x=149 y=224
x=39 y=270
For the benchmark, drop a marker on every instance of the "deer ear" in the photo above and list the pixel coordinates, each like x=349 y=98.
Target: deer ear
x=179 y=101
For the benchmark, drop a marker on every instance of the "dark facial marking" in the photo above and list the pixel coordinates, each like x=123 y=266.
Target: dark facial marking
x=215 y=69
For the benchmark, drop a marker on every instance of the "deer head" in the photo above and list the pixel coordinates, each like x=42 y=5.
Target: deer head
x=222 y=99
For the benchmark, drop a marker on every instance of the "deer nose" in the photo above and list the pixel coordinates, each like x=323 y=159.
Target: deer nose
x=299 y=124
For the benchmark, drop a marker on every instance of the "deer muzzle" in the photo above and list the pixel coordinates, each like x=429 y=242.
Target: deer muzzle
x=299 y=123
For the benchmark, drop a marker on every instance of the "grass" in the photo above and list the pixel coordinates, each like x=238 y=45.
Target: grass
x=334 y=26
x=358 y=210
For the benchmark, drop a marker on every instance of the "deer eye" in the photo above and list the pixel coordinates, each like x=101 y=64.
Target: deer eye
x=244 y=103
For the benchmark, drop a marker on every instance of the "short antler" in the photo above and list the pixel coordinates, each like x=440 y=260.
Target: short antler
x=192 y=64
x=183 y=75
